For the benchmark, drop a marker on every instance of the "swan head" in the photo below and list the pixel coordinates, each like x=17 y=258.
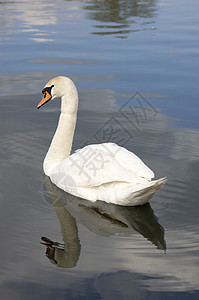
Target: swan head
x=57 y=87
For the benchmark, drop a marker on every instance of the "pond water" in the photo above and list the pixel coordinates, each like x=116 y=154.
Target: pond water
x=120 y=54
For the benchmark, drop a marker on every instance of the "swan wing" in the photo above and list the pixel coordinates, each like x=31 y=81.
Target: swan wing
x=99 y=164
x=131 y=161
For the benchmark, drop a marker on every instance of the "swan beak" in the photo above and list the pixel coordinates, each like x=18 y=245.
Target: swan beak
x=45 y=99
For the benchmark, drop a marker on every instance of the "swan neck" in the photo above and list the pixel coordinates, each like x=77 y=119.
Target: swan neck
x=61 y=144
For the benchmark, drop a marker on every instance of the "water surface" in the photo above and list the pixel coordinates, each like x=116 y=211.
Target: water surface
x=121 y=54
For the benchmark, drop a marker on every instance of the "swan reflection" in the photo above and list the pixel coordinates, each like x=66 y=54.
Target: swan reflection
x=99 y=217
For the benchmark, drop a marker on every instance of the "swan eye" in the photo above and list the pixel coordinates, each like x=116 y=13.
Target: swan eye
x=47 y=89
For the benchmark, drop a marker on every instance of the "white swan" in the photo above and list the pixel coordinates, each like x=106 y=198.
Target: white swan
x=105 y=171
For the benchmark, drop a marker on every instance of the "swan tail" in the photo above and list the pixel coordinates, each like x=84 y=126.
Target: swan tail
x=141 y=194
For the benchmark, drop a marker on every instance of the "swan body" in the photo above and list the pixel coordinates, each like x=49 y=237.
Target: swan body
x=105 y=171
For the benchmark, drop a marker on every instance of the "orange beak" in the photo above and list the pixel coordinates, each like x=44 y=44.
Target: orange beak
x=45 y=99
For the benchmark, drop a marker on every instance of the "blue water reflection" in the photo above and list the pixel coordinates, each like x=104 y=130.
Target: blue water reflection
x=112 y=50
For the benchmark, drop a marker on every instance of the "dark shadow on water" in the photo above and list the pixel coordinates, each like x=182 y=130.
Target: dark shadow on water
x=116 y=17
x=99 y=217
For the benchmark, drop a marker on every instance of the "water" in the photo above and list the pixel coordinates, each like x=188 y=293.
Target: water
x=146 y=52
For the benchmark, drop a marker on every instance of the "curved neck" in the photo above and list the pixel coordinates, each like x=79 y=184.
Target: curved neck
x=61 y=144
